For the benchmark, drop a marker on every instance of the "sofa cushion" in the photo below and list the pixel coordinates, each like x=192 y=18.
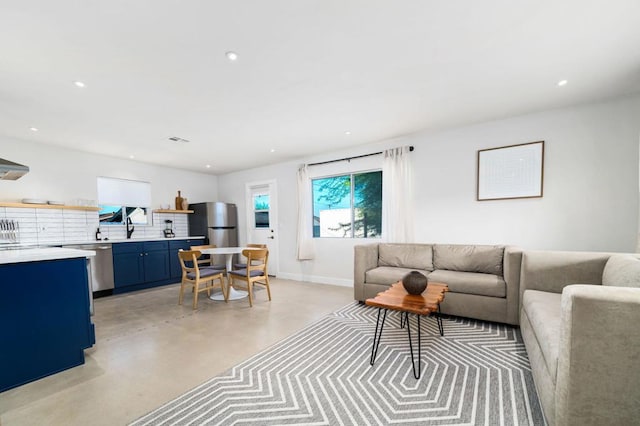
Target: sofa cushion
x=468 y=258
x=622 y=270
x=470 y=282
x=416 y=256
x=387 y=274
x=543 y=312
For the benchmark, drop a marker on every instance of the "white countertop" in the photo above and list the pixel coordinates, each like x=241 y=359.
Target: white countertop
x=131 y=240
x=38 y=254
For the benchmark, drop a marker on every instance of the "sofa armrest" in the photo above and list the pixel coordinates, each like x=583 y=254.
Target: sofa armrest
x=599 y=356
x=511 y=271
x=553 y=270
x=365 y=258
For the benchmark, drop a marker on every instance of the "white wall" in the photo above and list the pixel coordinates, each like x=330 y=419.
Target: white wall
x=590 y=188
x=66 y=175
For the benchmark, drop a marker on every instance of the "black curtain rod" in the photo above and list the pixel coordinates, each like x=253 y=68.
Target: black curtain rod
x=350 y=158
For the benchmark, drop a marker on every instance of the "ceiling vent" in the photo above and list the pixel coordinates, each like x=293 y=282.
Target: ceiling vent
x=177 y=139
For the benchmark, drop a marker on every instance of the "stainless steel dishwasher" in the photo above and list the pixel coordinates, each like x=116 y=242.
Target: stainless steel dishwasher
x=100 y=266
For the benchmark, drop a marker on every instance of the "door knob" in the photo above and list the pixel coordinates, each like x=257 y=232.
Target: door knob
x=271 y=238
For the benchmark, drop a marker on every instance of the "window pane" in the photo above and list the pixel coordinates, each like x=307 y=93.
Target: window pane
x=261 y=202
x=332 y=207
x=138 y=215
x=261 y=210
x=367 y=196
x=262 y=219
x=111 y=215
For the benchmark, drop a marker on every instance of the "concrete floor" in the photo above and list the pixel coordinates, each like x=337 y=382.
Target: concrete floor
x=150 y=350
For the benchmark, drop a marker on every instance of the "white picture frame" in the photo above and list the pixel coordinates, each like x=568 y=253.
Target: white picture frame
x=509 y=172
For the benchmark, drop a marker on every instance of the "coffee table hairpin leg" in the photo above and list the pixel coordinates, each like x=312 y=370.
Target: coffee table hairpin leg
x=377 y=336
x=439 y=320
x=413 y=363
x=404 y=320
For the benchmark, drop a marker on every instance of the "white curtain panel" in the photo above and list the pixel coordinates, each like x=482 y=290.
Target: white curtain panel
x=306 y=249
x=397 y=196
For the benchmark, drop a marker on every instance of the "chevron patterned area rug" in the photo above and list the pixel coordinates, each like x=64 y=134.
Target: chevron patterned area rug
x=477 y=374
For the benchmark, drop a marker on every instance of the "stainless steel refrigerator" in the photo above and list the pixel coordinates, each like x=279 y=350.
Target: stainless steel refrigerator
x=217 y=221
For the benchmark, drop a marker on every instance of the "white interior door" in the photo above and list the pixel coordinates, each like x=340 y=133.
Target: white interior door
x=262 y=219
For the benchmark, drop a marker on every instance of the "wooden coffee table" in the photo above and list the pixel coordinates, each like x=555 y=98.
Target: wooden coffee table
x=396 y=298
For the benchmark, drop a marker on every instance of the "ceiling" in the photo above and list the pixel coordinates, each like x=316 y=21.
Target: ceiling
x=308 y=71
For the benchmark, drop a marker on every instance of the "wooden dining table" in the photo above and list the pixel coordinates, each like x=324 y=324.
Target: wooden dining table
x=228 y=252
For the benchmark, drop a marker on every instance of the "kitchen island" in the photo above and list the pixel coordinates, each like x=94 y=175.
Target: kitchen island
x=44 y=312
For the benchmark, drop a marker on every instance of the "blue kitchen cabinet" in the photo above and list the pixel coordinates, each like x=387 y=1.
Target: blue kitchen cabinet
x=138 y=265
x=174 y=247
x=128 y=264
x=45 y=317
x=156 y=261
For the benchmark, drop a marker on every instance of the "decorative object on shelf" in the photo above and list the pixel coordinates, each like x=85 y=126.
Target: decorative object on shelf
x=414 y=282
x=514 y=171
x=179 y=201
x=34 y=201
x=98 y=235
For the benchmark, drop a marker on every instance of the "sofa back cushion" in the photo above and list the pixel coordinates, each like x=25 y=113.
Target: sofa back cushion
x=469 y=258
x=622 y=270
x=412 y=256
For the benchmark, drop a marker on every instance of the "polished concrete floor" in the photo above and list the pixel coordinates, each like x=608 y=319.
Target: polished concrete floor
x=150 y=350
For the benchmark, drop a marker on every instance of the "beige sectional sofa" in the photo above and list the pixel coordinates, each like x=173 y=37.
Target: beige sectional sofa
x=580 y=322
x=483 y=280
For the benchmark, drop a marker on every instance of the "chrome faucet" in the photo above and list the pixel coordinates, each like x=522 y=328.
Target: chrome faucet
x=130 y=228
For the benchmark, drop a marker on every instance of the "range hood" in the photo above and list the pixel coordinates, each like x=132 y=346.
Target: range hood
x=12 y=171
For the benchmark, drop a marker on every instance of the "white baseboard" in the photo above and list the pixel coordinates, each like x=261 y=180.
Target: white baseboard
x=342 y=282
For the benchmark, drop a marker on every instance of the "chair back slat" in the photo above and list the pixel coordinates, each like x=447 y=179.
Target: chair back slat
x=189 y=256
x=256 y=259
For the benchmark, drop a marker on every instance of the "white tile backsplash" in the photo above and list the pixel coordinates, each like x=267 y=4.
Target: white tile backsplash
x=155 y=230
x=59 y=226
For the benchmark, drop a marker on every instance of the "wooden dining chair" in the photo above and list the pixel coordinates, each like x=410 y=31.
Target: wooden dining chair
x=244 y=265
x=208 y=262
x=254 y=273
x=195 y=276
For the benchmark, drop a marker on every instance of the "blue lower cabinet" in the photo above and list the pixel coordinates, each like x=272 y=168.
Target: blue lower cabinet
x=156 y=265
x=139 y=265
x=44 y=310
x=128 y=264
x=174 y=247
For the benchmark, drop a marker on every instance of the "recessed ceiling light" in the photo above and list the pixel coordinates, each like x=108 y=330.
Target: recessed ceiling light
x=33 y=129
x=562 y=83
x=347 y=133
x=132 y=157
x=79 y=83
x=272 y=150
x=208 y=166
x=232 y=56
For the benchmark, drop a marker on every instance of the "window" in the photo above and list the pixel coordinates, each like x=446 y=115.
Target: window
x=113 y=215
x=261 y=210
x=122 y=198
x=348 y=206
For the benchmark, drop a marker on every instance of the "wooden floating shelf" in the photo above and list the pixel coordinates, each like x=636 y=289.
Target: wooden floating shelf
x=172 y=211
x=48 y=206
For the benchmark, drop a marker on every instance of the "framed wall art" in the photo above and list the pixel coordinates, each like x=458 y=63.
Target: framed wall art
x=514 y=171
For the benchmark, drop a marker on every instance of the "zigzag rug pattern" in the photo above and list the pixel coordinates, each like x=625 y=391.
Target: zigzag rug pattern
x=477 y=373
